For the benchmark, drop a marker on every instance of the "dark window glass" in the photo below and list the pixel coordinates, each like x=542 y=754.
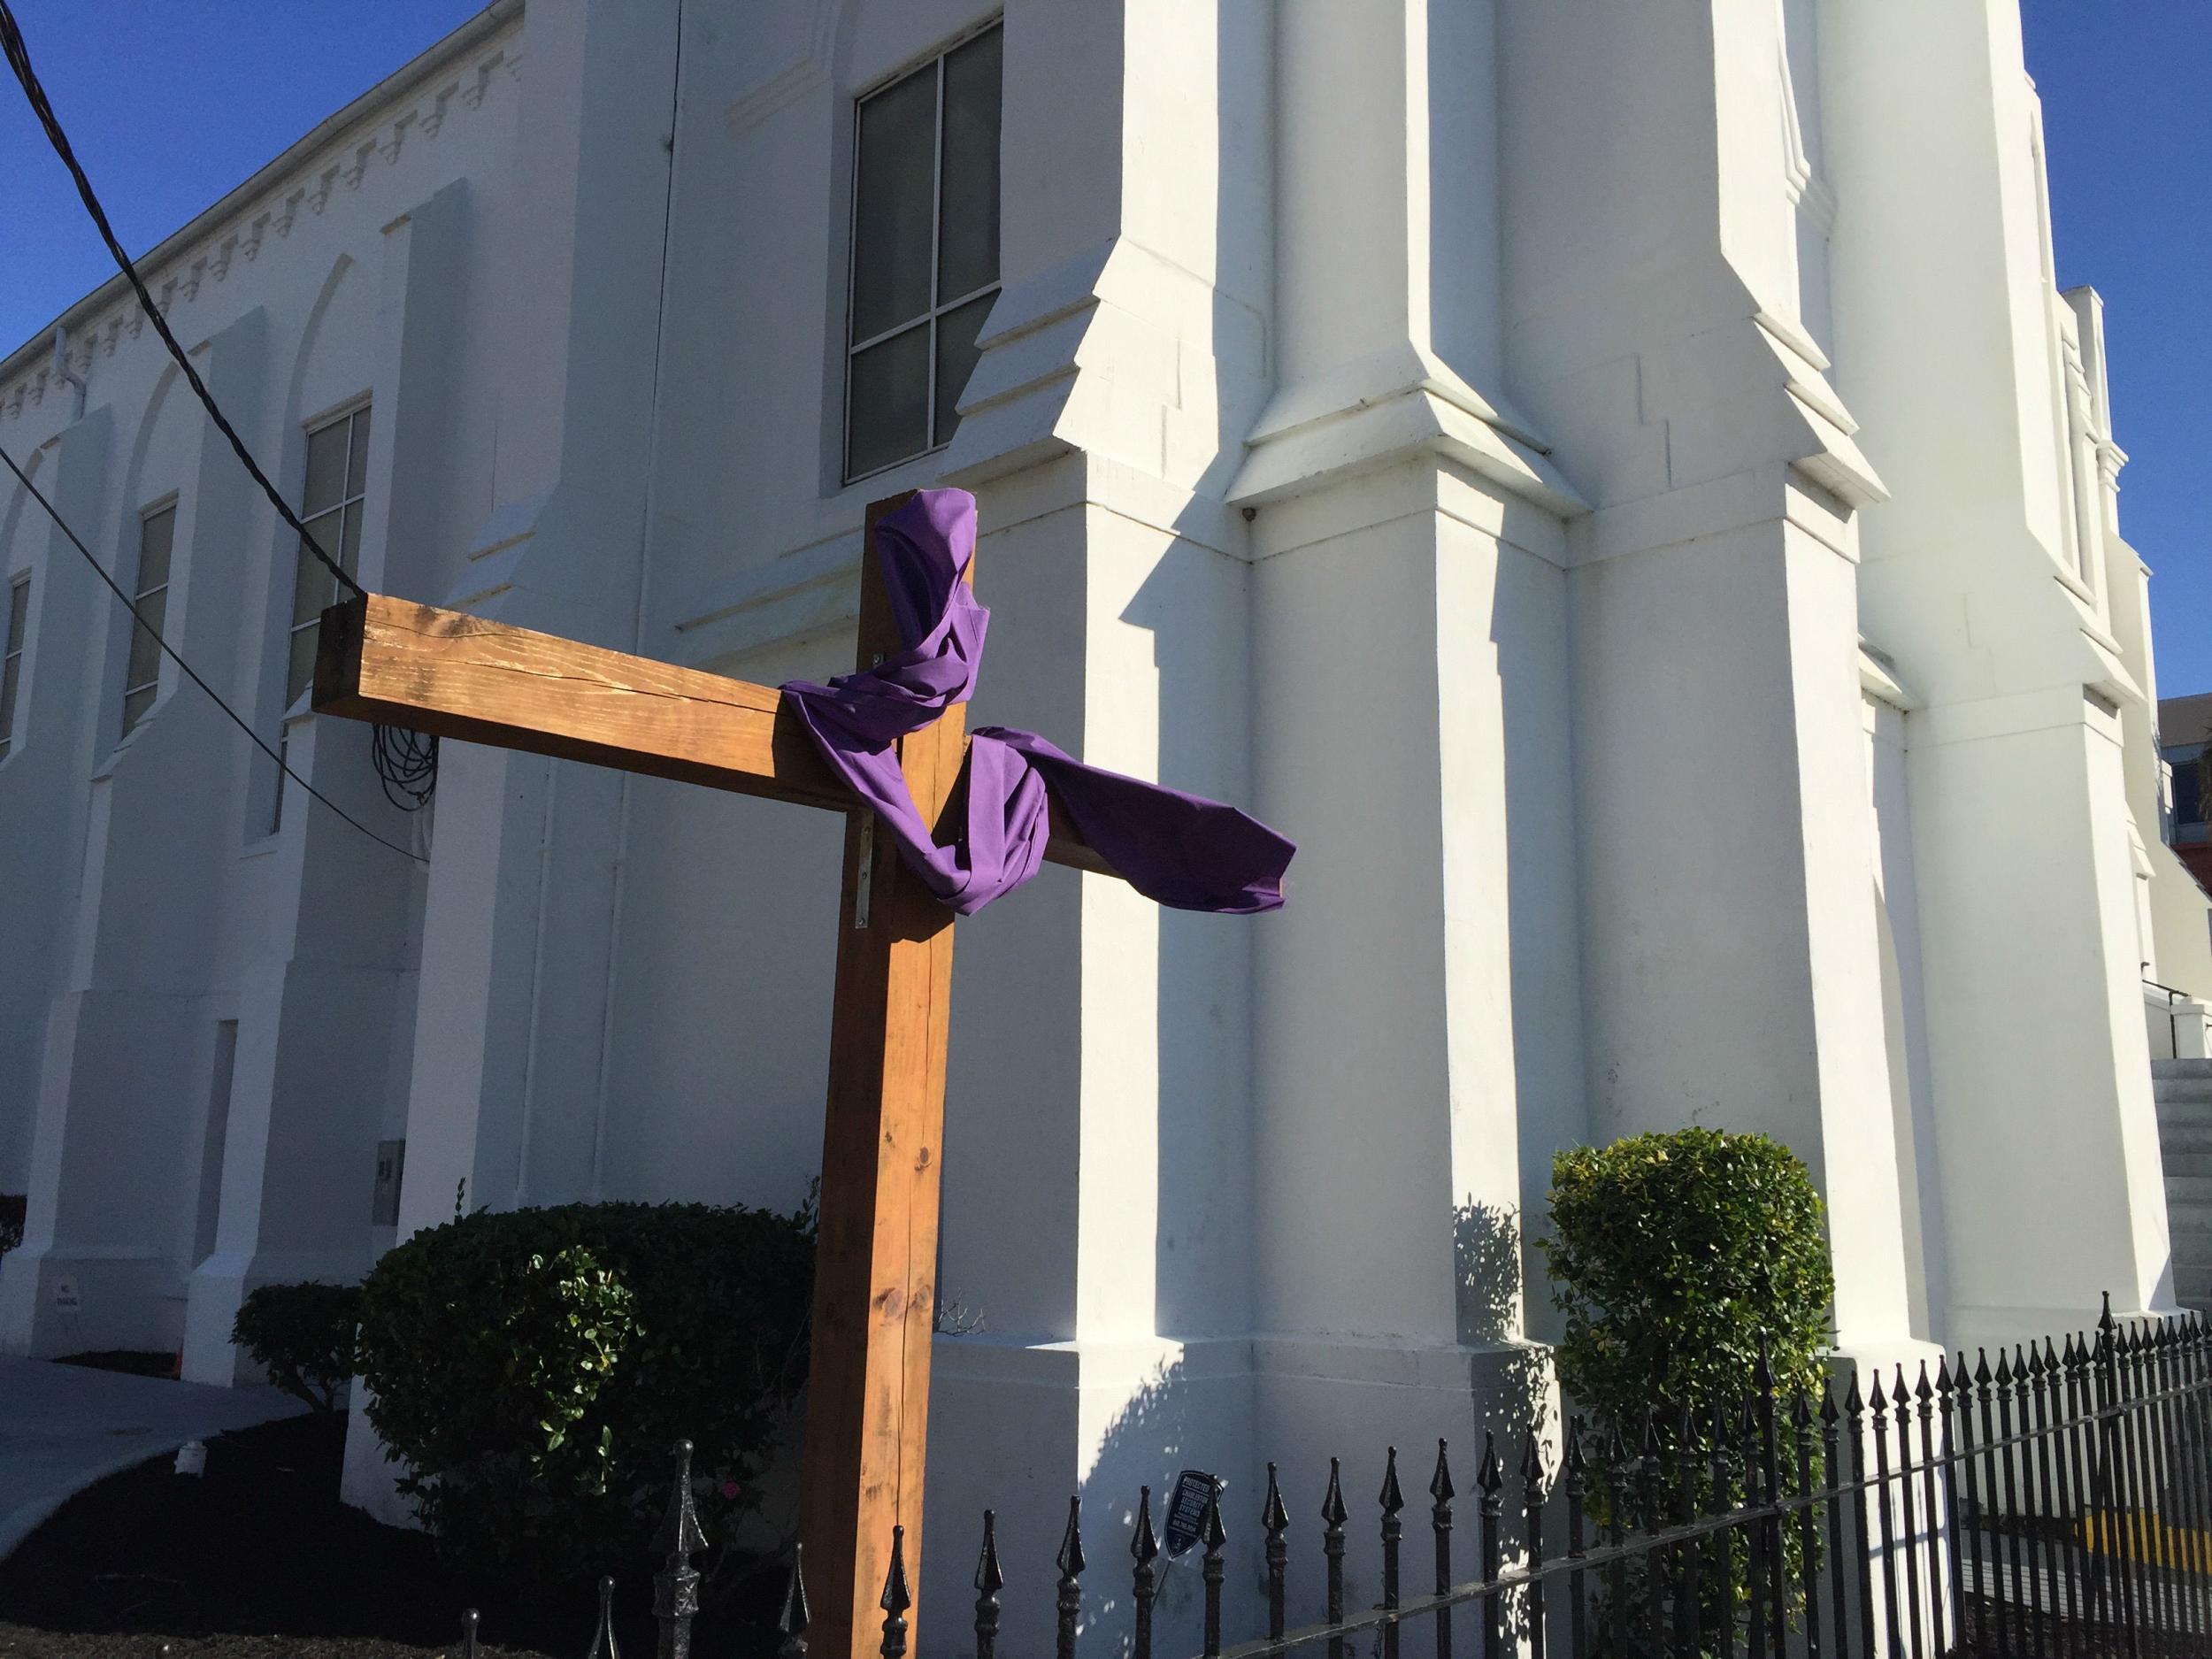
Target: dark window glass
x=890 y=401
x=925 y=252
x=891 y=212
x=141 y=670
x=967 y=244
x=11 y=660
x=325 y=468
x=330 y=506
x=2189 y=791
x=955 y=358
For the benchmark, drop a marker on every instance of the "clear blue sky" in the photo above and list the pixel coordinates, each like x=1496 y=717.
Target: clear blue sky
x=171 y=105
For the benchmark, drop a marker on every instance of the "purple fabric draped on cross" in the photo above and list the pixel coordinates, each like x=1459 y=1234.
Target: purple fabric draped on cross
x=1178 y=849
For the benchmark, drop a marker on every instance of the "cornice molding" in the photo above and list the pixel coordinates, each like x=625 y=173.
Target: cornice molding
x=416 y=99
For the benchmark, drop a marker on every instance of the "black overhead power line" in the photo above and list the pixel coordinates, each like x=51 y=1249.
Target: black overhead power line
x=406 y=762
x=20 y=60
x=77 y=541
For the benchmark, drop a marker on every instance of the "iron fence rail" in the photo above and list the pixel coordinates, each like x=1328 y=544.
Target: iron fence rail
x=2057 y=1503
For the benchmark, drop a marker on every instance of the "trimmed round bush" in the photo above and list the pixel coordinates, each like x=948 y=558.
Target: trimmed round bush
x=534 y=1369
x=1672 y=1255
x=301 y=1335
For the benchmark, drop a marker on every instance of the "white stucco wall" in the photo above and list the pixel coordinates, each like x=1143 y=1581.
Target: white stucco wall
x=1482 y=496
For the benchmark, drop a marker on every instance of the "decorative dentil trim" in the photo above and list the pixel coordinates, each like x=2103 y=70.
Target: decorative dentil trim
x=245 y=231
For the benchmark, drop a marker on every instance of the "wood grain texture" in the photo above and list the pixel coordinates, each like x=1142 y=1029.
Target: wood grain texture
x=867 y=1432
x=867 y=1425
x=446 y=673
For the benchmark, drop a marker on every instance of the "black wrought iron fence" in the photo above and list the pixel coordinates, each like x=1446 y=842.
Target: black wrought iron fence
x=2055 y=1503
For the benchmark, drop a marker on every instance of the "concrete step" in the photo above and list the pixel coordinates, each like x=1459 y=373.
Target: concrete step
x=2191 y=1226
x=2181 y=1068
x=2187 y=1165
x=2187 y=1189
x=2183 y=1097
x=2174 y=1137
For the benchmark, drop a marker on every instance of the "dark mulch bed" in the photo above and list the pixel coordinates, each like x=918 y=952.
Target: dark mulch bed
x=135 y=1362
x=259 y=1560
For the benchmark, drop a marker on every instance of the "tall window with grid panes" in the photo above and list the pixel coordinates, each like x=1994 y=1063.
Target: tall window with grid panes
x=11 y=662
x=330 y=505
x=141 y=668
x=924 y=252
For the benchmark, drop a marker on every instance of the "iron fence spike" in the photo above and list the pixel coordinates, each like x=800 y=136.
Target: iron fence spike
x=1574 y=1463
x=1925 y=1390
x=1491 y=1475
x=1211 y=1532
x=603 y=1644
x=1852 y=1404
x=1333 y=1510
x=1802 y=1410
x=1274 y=1516
x=1827 y=1400
x=989 y=1580
x=1440 y=1486
x=1532 y=1458
x=896 y=1597
x=792 y=1620
x=1762 y=1374
x=2104 y=1320
x=1070 y=1560
x=1146 y=1545
x=680 y=1534
x=1878 y=1403
x=1981 y=1368
x=1943 y=1375
x=468 y=1634
x=1900 y=1395
x=1391 y=1498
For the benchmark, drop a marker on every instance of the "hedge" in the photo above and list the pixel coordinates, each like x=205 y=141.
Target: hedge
x=534 y=1369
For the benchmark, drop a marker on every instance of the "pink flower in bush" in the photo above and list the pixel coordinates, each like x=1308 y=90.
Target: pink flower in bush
x=730 y=1488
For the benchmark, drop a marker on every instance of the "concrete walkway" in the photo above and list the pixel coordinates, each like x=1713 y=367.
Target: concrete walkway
x=62 y=1427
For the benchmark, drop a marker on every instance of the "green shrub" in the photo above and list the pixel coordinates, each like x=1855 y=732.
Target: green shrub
x=1672 y=1256
x=303 y=1336
x=534 y=1369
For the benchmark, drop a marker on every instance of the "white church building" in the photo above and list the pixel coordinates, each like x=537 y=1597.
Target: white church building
x=1617 y=483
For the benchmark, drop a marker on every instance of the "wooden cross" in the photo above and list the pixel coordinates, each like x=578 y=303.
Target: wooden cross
x=416 y=667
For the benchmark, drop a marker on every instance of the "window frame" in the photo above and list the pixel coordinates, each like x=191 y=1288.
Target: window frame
x=13 y=644
x=166 y=507
x=350 y=493
x=929 y=320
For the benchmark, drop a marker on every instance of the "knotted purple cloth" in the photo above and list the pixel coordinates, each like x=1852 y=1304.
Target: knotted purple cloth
x=1178 y=849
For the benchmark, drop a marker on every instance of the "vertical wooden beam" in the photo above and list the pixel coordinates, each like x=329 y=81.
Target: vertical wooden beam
x=867 y=1425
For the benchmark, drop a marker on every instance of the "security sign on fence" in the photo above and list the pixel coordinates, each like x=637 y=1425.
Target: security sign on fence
x=2049 y=1501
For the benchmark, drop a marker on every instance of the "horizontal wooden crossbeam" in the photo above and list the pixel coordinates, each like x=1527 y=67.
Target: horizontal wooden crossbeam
x=415 y=667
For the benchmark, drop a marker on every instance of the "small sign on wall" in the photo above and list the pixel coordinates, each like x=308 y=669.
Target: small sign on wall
x=65 y=1297
x=391 y=1160
x=1187 y=1510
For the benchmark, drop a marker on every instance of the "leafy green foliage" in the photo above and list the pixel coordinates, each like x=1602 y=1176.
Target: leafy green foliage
x=301 y=1335
x=534 y=1369
x=1672 y=1255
